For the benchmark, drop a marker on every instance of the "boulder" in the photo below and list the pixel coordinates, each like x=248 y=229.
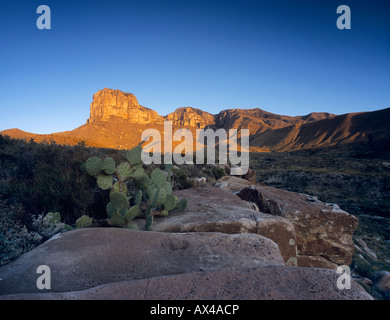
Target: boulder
x=90 y=257
x=323 y=231
x=382 y=284
x=211 y=209
x=260 y=283
x=250 y=176
x=200 y=182
x=232 y=184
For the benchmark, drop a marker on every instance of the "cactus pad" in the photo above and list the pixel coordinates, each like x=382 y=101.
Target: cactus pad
x=162 y=195
x=52 y=218
x=109 y=165
x=156 y=195
x=164 y=213
x=134 y=155
x=110 y=209
x=117 y=220
x=158 y=177
x=139 y=174
x=83 y=222
x=138 y=197
x=170 y=202
x=144 y=183
x=149 y=222
x=119 y=186
x=93 y=166
x=132 y=213
x=124 y=171
x=104 y=181
x=167 y=187
x=119 y=201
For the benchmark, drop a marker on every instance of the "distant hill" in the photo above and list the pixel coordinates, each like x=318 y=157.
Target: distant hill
x=117 y=121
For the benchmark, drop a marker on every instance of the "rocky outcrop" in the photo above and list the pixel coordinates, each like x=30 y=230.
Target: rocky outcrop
x=86 y=258
x=232 y=184
x=323 y=231
x=190 y=117
x=118 y=264
x=108 y=102
x=262 y=283
x=211 y=209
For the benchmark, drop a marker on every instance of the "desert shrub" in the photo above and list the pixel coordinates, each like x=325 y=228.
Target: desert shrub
x=15 y=239
x=44 y=178
x=218 y=172
x=49 y=225
x=362 y=267
x=181 y=179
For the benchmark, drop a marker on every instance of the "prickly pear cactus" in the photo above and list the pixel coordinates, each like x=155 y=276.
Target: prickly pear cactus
x=133 y=192
x=52 y=218
x=119 y=201
x=93 y=166
x=109 y=165
x=104 y=181
x=117 y=220
x=170 y=202
x=119 y=186
x=134 y=155
x=83 y=222
x=124 y=171
x=138 y=197
x=132 y=213
x=158 y=177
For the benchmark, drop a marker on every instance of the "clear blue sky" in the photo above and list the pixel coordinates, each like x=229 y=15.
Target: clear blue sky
x=286 y=57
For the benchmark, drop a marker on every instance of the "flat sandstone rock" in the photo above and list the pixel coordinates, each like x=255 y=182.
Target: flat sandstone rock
x=215 y=210
x=261 y=283
x=90 y=257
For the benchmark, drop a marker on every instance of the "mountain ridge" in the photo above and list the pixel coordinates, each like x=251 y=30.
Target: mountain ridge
x=117 y=120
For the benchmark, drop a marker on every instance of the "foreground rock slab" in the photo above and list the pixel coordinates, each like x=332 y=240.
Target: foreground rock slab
x=90 y=257
x=261 y=283
x=215 y=210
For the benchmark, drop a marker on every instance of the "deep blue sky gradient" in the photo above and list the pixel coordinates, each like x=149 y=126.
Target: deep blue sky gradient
x=286 y=57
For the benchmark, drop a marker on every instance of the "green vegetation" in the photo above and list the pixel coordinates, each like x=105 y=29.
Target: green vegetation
x=15 y=239
x=358 y=185
x=133 y=192
x=45 y=189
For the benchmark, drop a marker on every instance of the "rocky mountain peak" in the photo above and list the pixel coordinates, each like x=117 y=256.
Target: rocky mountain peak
x=188 y=116
x=108 y=102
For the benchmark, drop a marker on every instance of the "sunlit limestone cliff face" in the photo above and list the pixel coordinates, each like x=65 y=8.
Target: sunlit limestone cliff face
x=190 y=117
x=107 y=103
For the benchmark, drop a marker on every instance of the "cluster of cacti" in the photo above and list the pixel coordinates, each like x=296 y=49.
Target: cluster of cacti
x=133 y=193
x=54 y=219
x=46 y=226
